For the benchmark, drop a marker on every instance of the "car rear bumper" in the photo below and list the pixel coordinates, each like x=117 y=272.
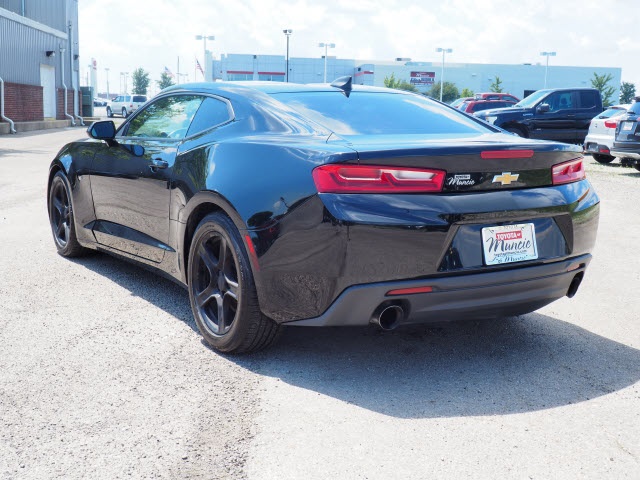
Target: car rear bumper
x=461 y=297
x=629 y=152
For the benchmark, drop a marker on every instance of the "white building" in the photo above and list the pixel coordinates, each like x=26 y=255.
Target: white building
x=519 y=80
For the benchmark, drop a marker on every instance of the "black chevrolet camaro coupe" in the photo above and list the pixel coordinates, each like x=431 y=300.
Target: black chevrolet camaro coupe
x=280 y=204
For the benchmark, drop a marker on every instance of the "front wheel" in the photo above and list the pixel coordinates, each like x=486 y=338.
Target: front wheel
x=61 y=218
x=109 y=112
x=222 y=291
x=601 y=158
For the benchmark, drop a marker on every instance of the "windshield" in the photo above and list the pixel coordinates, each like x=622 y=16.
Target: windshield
x=532 y=99
x=378 y=113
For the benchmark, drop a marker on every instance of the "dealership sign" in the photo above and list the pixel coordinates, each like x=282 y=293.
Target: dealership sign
x=422 y=78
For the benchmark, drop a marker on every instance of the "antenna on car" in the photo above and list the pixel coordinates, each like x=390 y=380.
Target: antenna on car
x=344 y=84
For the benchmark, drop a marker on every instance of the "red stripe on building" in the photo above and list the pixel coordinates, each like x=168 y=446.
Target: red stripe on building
x=366 y=72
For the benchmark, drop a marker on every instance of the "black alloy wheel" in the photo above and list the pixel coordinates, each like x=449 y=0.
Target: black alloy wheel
x=61 y=218
x=223 y=296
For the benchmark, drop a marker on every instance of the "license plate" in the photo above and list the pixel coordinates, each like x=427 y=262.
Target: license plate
x=627 y=126
x=509 y=243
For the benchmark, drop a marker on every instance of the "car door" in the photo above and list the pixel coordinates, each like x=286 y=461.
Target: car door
x=559 y=122
x=131 y=179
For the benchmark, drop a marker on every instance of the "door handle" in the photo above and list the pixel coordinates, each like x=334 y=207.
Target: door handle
x=157 y=164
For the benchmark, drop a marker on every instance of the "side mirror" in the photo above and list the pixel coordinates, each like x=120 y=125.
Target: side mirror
x=544 y=108
x=105 y=130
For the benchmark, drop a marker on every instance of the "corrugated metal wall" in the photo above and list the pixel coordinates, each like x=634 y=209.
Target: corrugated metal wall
x=48 y=12
x=23 y=47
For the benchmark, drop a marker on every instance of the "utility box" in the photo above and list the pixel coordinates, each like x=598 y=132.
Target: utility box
x=87 y=101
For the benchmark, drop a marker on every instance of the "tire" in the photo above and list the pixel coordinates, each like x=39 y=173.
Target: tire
x=124 y=113
x=61 y=218
x=604 y=159
x=109 y=112
x=637 y=167
x=222 y=291
x=516 y=130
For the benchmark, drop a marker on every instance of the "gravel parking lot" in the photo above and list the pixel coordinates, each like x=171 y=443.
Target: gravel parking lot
x=103 y=374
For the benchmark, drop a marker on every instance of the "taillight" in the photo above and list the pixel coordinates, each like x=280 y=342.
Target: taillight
x=342 y=178
x=611 y=123
x=568 y=172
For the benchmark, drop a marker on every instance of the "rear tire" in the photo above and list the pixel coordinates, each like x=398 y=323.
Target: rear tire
x=124 y=113
x=222 y=291
x=601 y=158
x=61 y=218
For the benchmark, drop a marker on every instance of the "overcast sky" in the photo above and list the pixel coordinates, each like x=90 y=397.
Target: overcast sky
x=123 y=35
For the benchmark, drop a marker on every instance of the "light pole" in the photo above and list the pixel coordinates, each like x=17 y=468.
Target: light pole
x=204 y=38
x=326 y=46
x=443 y=50
x=287 y=32
x=107 y=71
x=546 y=69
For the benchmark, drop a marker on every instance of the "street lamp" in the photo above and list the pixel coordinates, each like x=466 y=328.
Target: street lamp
x=326 y=45
x=443 y=50
x=546 y=69
x=287 y=32
x=204 y=38
x=107 y=70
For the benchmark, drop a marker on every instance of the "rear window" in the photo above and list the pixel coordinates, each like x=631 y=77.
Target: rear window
x=635 y=108
x=612 y=112
x=139 y=98
x=373 y=113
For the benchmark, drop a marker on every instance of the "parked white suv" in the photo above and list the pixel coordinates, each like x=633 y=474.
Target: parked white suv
x=125 y=105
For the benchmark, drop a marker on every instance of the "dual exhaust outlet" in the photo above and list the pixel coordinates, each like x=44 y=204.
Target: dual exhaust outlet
x=389 y=315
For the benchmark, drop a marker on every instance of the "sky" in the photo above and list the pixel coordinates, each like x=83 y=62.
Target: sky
x=123 y=35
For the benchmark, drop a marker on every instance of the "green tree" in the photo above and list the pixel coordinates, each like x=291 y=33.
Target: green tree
x=393 y=82
x=165 y=81
x=627 y=92
x=449 y=92
x=601 y=82
x=496 y=86
x=140 y=81
x=466 y=92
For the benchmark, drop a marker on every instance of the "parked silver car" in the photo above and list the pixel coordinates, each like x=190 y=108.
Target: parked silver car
x=125 y=105
x=602 y=130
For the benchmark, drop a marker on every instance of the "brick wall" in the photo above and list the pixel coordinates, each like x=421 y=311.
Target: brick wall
x=23 y=103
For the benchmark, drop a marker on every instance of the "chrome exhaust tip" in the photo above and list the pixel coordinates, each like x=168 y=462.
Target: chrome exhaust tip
x=387 y=317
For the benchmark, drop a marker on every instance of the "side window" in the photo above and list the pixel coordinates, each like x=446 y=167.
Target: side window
x=588 y=99
x=212 y=112
x=168 y=117
x=560 y=101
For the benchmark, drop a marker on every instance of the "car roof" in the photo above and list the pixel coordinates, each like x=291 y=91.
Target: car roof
x=246 y=87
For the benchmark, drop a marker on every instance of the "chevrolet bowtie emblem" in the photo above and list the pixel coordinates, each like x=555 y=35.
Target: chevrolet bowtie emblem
x=506 y=178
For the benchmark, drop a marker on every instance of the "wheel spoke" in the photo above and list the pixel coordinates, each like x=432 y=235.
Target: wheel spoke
x=210 y=262
x=222 y=322
x=222 y=255
x=58 y=204
x=67 y=230
x=204 y=297
x=60 y=228
x=232 y=288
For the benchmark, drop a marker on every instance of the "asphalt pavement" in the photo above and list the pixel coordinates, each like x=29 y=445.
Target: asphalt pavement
x=104 y=375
